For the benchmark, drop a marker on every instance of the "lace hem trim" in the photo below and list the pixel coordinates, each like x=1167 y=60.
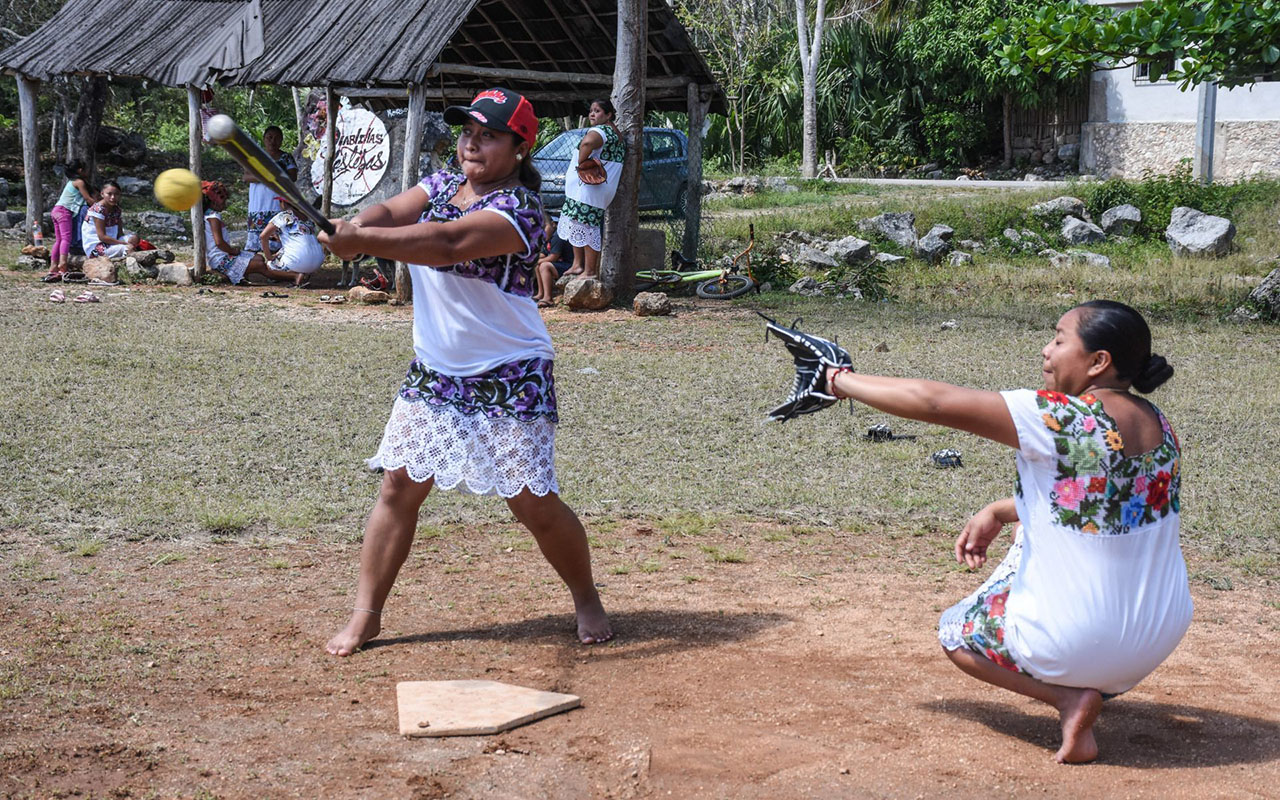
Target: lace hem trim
x=951 y=624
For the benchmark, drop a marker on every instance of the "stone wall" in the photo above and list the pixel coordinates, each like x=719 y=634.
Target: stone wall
x=1127 y=149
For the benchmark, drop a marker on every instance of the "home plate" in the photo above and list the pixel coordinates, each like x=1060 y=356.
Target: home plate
x=473 y=708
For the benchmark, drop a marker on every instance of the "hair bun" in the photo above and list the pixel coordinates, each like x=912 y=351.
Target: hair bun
x=1154 y=373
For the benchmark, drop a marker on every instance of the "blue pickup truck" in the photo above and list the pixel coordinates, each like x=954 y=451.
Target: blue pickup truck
x=664 y=179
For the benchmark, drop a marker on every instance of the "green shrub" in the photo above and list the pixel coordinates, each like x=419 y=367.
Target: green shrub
x=1157 y=195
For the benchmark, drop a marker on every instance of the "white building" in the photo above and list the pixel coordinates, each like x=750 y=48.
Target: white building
x=1135 y=125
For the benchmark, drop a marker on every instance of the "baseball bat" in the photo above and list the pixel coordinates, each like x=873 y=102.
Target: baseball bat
x=249 y=154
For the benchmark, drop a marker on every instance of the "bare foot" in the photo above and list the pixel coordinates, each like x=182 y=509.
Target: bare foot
x=1079 y=712
x=573 y=271
x=362 y=627
x=593 y=623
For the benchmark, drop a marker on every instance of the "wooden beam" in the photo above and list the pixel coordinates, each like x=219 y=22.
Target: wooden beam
x=409 y=172
x=195 y=143
x=330 y=140
x=28 y=88
x=698 y=105
x=539 y=75
x=622 y=217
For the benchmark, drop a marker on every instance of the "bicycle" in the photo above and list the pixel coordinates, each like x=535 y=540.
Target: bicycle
x=721 y=283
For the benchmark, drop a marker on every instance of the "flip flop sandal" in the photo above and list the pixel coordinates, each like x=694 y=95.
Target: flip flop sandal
x=88 y=297
x=333 y=300
x=100 y=282
x=74 y=277
x=56 y=296
x=273 y=294
x=52 y=277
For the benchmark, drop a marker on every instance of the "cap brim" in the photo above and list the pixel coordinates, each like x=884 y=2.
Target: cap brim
x=460 y=115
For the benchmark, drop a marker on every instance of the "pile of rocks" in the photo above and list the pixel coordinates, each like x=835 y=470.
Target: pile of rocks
x=746 y=185
x=137 y=267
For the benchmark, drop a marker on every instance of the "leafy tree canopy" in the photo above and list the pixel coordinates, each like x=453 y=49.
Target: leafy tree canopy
x=1228 y=41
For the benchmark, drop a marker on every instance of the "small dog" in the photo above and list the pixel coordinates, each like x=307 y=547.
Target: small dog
x=383 y=274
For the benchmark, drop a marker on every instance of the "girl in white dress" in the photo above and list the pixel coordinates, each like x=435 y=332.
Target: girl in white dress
x=300 y=253
x=1092 y=595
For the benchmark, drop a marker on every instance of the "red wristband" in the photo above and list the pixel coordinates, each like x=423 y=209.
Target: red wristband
x=831 y=381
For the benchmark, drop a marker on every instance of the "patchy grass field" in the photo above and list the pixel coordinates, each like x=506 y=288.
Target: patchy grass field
x=184 y=492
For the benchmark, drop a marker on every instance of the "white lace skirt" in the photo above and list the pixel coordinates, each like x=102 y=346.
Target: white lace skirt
x=579 y=234
x=469 y=452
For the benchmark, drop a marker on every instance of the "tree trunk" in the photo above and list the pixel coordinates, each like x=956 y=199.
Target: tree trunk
x=622 y=218
x=697 y=107
x=1008 y=131
x=810 y=55
x=297 y=111
x=28 y=90
x=195 y=154
x=83 y=140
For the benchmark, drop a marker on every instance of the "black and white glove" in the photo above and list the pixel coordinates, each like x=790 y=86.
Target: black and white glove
x=812 y=355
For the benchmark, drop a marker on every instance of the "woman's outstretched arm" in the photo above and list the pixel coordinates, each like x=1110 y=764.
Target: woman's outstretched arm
x=974 y=410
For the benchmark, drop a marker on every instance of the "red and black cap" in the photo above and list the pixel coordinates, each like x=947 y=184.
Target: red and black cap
x=501 y=110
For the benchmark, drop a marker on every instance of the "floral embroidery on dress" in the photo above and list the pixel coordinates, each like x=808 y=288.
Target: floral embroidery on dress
x=983 y=630
x=514 y=273
x=524 y=390
x=1096 y=488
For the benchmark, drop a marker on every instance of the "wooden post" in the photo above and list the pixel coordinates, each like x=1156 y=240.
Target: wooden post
x=27 y=90
x=693 y=189
x=297 y=111
x=410 y=173
x=330 y=139
x=195 y=143
x=622 y=218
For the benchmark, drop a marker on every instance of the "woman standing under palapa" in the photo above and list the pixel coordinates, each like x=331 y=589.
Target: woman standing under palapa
x=263 y=202
x=586 y=196
x=477 y=410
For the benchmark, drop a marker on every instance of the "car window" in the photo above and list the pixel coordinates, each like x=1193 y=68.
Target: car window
x=561 y=147
x=663 y=145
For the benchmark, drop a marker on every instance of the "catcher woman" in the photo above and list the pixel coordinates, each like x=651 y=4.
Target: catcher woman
x=1092 y=595
x=477 y=410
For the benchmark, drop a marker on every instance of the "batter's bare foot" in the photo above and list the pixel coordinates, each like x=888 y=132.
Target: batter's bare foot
x=1079 y=712
x=593 y=623
x=363 y=626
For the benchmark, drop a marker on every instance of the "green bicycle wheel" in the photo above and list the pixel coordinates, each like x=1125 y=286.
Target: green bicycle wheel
x=726 y=288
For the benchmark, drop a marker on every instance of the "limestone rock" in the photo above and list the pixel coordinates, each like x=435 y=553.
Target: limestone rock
x=935 y=244
x=133 y=186
x=587 y=293
x=651 y=304
x=177 y=273
x=29 y=262
x=971 y=245
x=161 y=221
x=897 y=227
x=1077 y=231
x=137 y=270
x=778 y=184
x=1265 y=297
x=806 y=287
x=1095 y=260
x=1194 y=233
x=147 y=258
x=814 y=260
x=363 y=294
x=1121 y=220
x=889 y=258
x=850 y=250
x=1068 y=152
x=959 y=259
x=1031 y=177
x=1059 y=207
x=101 y=269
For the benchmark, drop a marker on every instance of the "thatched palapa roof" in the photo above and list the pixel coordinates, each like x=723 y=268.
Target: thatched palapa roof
x=455 y=47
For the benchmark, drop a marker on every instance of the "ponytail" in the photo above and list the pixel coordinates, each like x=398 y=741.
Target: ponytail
x=529 y=175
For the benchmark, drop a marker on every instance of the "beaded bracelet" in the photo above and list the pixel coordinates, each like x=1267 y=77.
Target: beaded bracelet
x=831 y=381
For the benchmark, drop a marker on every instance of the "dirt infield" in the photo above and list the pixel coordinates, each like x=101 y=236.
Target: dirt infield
x=195 y=669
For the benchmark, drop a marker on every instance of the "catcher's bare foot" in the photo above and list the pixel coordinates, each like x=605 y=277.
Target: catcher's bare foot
x=1079 y=712
x=593 y=623
x=362 y=627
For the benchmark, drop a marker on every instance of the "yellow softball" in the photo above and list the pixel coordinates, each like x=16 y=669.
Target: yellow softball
x=177 y=189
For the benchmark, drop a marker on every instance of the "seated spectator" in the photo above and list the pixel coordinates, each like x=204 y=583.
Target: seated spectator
x=300 y=251
x=222 y=256
x=102 y=233
x=556 y=258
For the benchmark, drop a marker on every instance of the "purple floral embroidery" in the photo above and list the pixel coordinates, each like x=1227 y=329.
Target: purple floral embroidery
x=524 y=390
x=512 y=273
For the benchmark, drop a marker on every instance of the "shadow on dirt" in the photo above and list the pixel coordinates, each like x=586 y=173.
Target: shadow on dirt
x=639 y=633
x=1141 y=734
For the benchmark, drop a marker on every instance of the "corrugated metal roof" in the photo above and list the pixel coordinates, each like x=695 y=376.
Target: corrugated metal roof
x=384 y=43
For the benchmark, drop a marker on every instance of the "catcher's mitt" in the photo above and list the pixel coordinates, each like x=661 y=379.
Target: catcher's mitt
x=591 y=172
x=812 y=355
